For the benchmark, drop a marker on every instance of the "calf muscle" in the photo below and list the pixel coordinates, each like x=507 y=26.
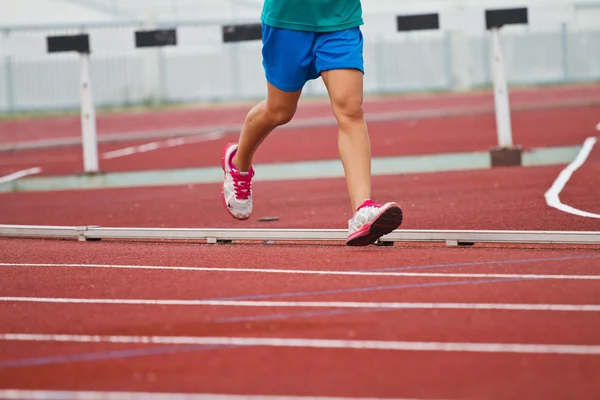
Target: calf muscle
x=277 y=110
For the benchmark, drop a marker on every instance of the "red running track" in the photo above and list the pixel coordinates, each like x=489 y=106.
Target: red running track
x=532 y=129
x=510 y=198
x=22 y=130
x=285 y=371
x=504 y=198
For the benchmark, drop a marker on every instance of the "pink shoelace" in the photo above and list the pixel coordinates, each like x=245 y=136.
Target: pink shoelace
x=368 y=203
x=242 y=182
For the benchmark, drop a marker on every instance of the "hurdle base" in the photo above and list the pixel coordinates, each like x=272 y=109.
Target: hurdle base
x=82 y=237
x=457 y=243
x=90 y=174
x=506 y=156
x=214 y=240
x=451 y=238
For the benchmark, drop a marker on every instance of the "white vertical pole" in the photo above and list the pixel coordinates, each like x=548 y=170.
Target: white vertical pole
x=88 y=118
x=502 y=107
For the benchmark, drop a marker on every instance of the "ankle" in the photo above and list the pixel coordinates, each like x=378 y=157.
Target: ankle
x=240 y=165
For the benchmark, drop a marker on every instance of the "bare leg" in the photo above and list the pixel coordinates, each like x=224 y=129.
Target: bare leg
x=278 y=109
x=345 y=87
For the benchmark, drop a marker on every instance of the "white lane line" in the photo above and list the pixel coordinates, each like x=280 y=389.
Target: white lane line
x=127 y=151
x=552 y=195
x=312 y=304
x=11 y=394
x=19 y=175
x=311 y=343
x=314 y=272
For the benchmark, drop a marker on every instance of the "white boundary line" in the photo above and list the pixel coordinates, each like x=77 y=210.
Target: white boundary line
x=19 y=175
x=180 y=141
x=315 y=272
x=14 y=394
x=312 y=304
x=552 y=195
x=312 y=343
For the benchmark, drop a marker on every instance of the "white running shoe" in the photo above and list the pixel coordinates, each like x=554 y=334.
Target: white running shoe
x=237 y=186
x=372 y=221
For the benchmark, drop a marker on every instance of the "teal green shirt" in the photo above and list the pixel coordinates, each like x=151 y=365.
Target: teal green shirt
x=312 y=15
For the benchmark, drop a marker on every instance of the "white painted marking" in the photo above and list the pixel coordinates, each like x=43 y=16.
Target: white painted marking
x=143 y=148
x=19 y=174
x=312 y=343
x=92 y=395
x=315 y=272
x=552 y=195
x=312 y=304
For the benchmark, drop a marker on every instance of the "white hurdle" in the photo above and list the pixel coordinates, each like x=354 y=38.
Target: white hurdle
x=451 y=238
x=470 y=18
x=85 y=44
x=38 y=45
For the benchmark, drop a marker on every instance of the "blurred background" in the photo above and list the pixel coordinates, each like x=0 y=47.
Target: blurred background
x=395 y=62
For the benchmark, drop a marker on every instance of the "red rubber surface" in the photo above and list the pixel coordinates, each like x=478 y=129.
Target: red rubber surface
x=503 y=198
x=332 y=372
x=259 y=370
x=218 y=284
x=397 y=325
x=445 y=200
x=531 y=129
x=21 y=130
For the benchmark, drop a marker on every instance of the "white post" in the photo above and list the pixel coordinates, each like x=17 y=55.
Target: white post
x=88 y=118
x=502 y=107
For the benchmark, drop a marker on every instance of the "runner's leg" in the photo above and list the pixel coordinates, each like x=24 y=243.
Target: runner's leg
x=339 y=60
x=288 y=63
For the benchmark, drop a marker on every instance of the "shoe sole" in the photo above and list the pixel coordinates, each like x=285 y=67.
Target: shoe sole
x=386 y=222
x=223 y=158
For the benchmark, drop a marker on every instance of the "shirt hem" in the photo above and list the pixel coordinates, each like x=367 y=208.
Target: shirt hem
x=311 y=28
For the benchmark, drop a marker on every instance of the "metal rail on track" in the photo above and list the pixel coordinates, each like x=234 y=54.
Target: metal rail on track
x=216 y=235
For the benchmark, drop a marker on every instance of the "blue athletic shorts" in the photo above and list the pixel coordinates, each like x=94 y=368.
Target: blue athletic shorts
x=291 y=58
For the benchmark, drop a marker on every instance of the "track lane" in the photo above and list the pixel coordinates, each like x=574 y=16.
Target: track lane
x=257 y=370
x=169 y=283
x=26 y=129
x=531 y=129
x=406 y=258
x=498 y=199
x=473 y=326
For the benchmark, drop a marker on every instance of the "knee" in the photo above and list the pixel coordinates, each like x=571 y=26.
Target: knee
x=280 y=115
x=349 y=109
